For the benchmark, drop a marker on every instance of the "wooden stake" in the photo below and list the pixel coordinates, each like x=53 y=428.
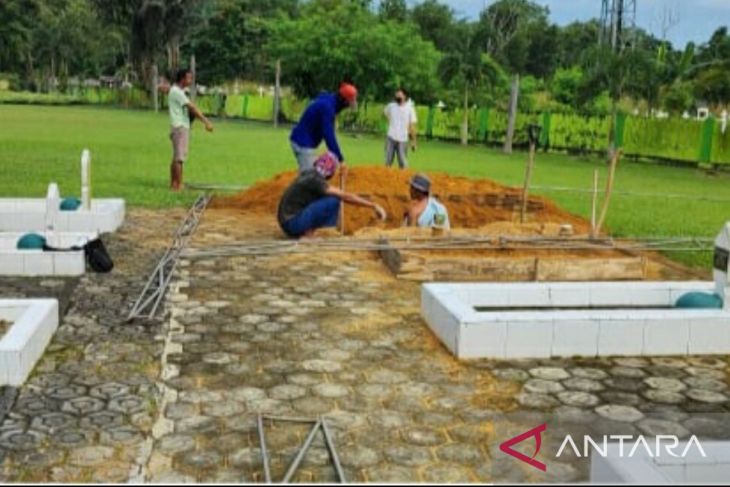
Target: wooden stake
x=277 y=94
x=342 y=204
x=528 y=179
x=609 y=190
x=594 y=204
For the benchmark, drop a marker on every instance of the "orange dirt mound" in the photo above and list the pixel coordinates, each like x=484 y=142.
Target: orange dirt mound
x=472 y=203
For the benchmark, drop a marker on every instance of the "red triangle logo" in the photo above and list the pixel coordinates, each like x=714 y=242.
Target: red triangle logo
x=536 y=433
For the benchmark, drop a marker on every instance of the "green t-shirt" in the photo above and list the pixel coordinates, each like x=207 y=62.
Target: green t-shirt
x=178 y=102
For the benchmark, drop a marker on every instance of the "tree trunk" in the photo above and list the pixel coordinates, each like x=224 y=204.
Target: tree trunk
x=512 y=120
x=277 y=93
x=465 y=120
x=173 y=54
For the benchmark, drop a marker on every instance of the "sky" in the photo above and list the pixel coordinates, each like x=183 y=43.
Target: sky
x=698 y=19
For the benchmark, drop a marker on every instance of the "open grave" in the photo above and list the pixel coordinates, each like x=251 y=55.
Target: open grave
x=486 y=243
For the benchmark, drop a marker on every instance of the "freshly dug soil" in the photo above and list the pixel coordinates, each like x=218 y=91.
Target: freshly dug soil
x=471 y=203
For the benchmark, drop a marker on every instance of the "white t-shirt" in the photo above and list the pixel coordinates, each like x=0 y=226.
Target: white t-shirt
x=178 y=103
x=400 y=118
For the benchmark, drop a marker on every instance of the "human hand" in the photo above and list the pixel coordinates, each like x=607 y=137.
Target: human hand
x=208 y=126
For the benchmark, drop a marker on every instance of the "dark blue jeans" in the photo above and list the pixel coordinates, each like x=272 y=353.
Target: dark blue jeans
x=322 y=213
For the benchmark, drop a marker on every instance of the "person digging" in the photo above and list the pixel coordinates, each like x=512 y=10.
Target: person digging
x=317 y=124
x=425 y=211
x=182 y=112
x=311 y=203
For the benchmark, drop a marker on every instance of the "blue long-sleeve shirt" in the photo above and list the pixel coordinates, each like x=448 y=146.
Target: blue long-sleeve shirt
x=317 y=124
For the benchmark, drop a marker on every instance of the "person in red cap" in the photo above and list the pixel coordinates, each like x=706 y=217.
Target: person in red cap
x=318 y=123
x=311 y=203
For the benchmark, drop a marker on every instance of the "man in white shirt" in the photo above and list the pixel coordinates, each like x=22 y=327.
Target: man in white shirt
x=401 y=115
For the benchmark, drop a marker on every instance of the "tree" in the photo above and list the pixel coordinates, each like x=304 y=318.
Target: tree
x=341 y=40
x=713 y=85
x=16 y=35
x=678 y=97
x=395 y=10
x=471 y=69
x=436 y=23
x=565 y=85
x=503 y=30
x=610 y=71
x=231 y=39
x=153 y=29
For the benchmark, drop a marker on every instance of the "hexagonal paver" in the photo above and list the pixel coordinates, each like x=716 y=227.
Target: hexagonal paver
x=617 y=412
x=578 y=399
x=128 y=404
x=83 y=405
x=583 y=384
x=711 y=397
x=665 y=384
x=65 y=392
x=19 y=440
x=549 y=373
x=102 y=420
x=543 y=386
x=109 y=390
x=50 y=422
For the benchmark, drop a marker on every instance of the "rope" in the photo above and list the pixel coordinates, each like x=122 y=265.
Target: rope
x=637 y=194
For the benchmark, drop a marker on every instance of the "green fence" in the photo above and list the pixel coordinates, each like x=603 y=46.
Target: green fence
x=669 y=139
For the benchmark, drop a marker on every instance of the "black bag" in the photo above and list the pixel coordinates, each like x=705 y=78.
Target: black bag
x=98 y=257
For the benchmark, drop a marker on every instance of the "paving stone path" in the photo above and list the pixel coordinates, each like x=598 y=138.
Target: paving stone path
x=314 y=335
x=84 y=413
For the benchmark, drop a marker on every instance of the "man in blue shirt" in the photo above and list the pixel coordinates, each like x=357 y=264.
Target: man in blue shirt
x=318 y=124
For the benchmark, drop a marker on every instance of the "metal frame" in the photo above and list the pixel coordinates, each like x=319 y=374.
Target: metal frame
x=319 y=424
x=149 y=300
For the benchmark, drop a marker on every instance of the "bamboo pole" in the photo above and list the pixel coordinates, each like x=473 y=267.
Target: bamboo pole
x=594 y=204
x=343 y=177
x=609 y=190
x=528 y=180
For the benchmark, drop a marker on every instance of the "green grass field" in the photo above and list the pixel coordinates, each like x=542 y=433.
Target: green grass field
x=131 y=153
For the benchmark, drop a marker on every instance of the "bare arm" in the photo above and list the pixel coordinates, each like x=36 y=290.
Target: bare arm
x=356 y=200
x=199 y=115
x=412 y=216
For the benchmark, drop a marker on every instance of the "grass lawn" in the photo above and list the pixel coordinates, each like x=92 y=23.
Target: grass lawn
x=130 y=152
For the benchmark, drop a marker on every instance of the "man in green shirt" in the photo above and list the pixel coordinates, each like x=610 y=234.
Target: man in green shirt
x=182 y=111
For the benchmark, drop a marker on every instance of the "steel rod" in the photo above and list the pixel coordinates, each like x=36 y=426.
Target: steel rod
x=264 y=451
x=333 y=452
x=303 y=451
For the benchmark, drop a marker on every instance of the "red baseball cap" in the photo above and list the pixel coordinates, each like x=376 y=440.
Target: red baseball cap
x=349 y=92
